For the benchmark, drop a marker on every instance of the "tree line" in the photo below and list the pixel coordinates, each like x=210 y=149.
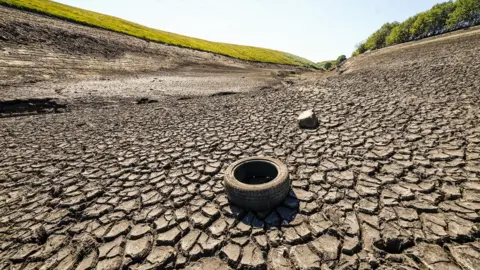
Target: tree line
x=331 y=64
x=441 y=18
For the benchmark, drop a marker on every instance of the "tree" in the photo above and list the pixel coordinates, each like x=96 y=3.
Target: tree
x=439 y=18
x=340 y=59
x=438 y=15
x=466 y=11
x=327 y=65
x=378 y=39
x=360 y=48
x=420 y=26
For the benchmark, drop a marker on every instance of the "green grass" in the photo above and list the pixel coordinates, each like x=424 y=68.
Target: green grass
x=122 y=26
x=321 y=65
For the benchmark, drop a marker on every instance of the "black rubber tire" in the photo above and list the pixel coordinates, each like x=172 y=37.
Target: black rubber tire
x=260 y=197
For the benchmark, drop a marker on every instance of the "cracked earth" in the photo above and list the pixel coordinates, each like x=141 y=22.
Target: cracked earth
x=390 y=179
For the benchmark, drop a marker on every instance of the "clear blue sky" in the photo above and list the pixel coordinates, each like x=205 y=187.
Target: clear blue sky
x=315 y=29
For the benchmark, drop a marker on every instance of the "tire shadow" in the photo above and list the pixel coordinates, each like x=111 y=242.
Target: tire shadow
x=281 y=215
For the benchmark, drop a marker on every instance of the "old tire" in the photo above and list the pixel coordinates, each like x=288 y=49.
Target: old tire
x=243 y=190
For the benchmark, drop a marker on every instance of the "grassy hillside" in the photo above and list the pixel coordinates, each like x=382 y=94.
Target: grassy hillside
x=122 y=26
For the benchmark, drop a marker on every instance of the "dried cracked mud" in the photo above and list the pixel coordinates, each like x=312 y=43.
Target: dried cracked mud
x=390 y=179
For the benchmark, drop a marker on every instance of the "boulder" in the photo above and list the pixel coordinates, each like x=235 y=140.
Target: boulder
x=308 y=120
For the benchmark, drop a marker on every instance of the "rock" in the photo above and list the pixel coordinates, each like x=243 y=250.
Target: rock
x=308 y=120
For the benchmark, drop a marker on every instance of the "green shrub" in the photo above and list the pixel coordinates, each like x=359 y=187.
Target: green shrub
x=340 y=59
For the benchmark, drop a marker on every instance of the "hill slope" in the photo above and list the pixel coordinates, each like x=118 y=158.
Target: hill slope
x=122 y=26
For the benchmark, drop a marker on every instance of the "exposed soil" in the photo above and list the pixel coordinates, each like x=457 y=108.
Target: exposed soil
x=36 y=48
x=390 y=179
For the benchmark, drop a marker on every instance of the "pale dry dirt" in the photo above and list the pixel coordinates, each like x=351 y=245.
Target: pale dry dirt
x=42 y=57
x=390 y=179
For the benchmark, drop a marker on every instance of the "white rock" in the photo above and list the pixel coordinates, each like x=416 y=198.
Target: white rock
x=308 y=119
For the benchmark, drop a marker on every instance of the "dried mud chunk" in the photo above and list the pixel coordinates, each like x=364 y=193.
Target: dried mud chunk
x=278 y=259
x=328 y=246
x=96 y=210
x=111 y=249
x=218 y=227
x=169 y=237
x=208 y=263
x=87 y=262
x=110 y=264
x=304 y=258
x=432 y=256
x=231 y=253
x=158 y=257
x=23 y=253
x=189 y=240
x=252 y=257
x=467 y=256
